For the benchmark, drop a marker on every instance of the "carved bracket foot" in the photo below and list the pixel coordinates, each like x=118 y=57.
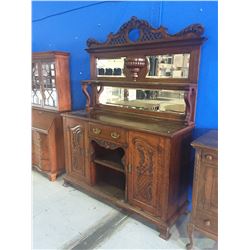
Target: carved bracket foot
x=189 y=246
x=165 y=233
x=65 y=183
x=52 y=177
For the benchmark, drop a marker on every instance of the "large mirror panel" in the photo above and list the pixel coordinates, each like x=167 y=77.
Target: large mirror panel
x=160 y=66
x=144 y=99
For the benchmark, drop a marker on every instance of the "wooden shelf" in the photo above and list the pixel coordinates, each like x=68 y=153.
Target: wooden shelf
x=173 y=85
x=110 y=190
x=110 y=164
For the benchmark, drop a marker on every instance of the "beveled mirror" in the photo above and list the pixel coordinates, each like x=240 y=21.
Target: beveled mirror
x=160 y=66
x=144 y=99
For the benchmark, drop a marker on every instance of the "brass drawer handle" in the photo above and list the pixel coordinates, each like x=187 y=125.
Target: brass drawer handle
x=207 y=222
x=115 y=135
x=96 y=131
x=209 y=157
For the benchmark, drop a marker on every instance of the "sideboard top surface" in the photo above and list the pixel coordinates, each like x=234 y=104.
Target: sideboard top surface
x=208 y=140
x=153 y=125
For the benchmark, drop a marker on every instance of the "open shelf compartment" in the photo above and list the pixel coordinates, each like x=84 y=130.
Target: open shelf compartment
x=109 y=171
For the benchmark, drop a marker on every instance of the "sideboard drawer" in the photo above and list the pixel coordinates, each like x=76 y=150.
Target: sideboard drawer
x=207 y=222
x=107 y=132
x=209 y=157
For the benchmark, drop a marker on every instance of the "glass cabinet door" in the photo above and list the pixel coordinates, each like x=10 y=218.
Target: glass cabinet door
x=44 y=92
x=36 y=96
x=49 y=84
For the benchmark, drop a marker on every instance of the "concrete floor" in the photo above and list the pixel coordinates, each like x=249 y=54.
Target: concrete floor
x=65 y=218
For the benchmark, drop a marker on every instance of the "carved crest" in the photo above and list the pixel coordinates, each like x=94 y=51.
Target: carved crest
x=146 y=34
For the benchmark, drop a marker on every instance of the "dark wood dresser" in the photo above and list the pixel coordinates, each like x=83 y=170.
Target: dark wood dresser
x=131 y=145
x=50 y=97
x=204 y=216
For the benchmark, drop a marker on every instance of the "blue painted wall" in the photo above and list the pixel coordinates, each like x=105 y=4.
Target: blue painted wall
x=56 y=26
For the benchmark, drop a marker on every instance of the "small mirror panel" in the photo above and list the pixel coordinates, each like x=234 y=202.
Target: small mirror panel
x=110 y=67
x=144 y=99
x=168 y=66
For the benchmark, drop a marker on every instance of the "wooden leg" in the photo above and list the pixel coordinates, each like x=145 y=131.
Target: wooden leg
x=65 y=184
x=52 y=177
x=165 y=232
x=190 y=229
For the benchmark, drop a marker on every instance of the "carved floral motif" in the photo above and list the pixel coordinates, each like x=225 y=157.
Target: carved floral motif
x=144 y=170
x=106 y=144
x=77 y=149
x=147 y=33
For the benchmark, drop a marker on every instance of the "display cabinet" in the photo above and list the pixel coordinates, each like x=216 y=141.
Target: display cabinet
x=50 y=96
x=130 y=147
x=204 y=216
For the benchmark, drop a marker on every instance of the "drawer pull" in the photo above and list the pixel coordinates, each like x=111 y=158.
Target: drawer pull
x=207 y=222
x=115 y=135
x=96 y=131
x=209 y=157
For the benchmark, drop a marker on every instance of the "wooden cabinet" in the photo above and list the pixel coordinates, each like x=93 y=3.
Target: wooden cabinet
x=204 y=215
x=50 y=80
x=47 y=143
x=50 y=96
x=139 y=171
x=131 y=145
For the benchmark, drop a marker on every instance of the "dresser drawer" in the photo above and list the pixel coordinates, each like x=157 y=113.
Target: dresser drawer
x=207 y=222
x=40 y=151
x=209 y=157
x=107 y=132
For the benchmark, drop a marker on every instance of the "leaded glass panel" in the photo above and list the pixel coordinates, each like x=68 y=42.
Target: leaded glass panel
x=49 y=84
x=36 y=96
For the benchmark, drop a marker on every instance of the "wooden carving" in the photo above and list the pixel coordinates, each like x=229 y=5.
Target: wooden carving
x=144 y=170
x=106 y=144
x=189 y=98
x=147 y=34
x=86 y=93
x=77 y=149
x=135 y=67
x=99 y=90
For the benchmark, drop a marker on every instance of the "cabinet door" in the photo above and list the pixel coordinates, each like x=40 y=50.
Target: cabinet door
x=44 y=92
x=144 y=171
x=208 y=187
x=75 y=136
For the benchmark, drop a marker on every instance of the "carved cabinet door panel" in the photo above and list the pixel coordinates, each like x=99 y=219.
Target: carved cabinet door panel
x=144 y=171
x=207 y=198
x=75 y=137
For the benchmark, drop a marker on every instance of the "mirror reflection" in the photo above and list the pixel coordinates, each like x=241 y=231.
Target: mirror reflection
x=110 y=67
x=169 y=66
x=144 y=99
x=160 y=66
